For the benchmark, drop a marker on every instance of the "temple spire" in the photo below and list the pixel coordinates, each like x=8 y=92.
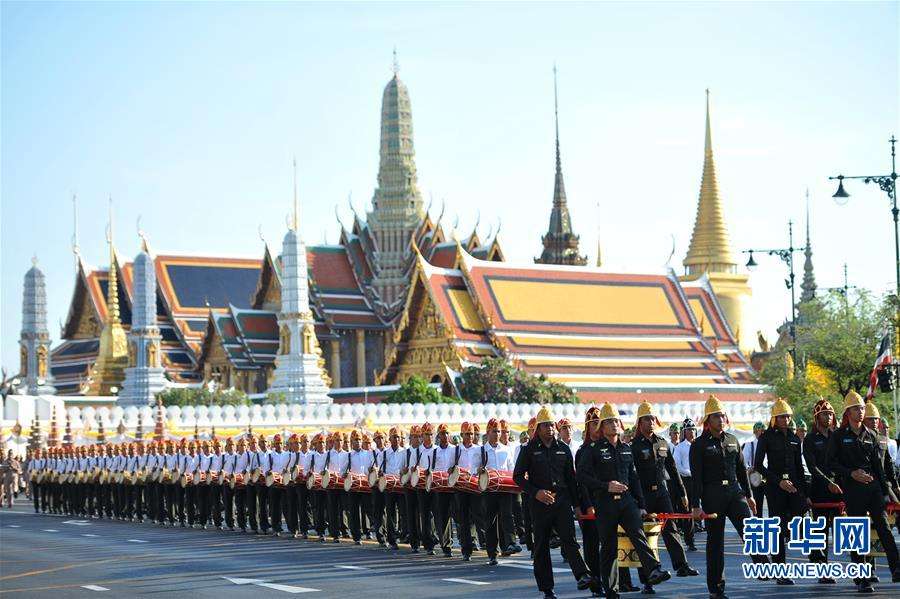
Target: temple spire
x=809 y=279
x=112 y=291
x=560 y=244
x=296 y=224
x=710 y=250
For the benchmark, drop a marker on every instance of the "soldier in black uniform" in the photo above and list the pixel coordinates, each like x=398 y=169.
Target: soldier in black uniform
x=786 y=489
x=853 y=456
x=545 y=472
x=657 y=472
x=721 y=486
x=601 y=468
x=872 y=420
x=822 y=488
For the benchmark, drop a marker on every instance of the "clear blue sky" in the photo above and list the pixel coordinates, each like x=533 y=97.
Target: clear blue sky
x=189 y=114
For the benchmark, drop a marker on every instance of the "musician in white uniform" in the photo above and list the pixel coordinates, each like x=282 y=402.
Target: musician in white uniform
x=241 y=504
x=376 y=519
x=358 y=503
x=393 y=461
x=442 y=458
x=277 y=464
x=318 y=465
x=497 y=506
x=338 y=465
x=202 y=492
x=262 y=495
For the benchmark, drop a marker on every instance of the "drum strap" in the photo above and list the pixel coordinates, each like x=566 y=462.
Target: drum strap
x=270 y=462
x=418 y=456
x=327 y=460
x=456 y=458
x=433 y=459
x=483 y=456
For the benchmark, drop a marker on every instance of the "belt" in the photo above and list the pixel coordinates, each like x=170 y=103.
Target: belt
x=654 y=487
x=725 y=483
x=617 y=496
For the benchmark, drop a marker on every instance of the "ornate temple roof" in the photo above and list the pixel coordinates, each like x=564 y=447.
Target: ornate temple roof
x=579 y=326
x=710 y=249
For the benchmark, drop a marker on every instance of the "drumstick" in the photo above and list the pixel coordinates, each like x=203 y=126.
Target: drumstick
x=893 y=507
x=829 y=505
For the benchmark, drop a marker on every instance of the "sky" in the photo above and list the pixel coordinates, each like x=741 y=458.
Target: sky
x=189 y=115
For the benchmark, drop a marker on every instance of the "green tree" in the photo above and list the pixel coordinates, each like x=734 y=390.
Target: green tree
x=202 y=396
x=495 y=380
x=418 y=390
x=837 y=339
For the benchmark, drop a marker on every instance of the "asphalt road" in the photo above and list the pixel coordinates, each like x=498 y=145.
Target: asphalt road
x=45 y=555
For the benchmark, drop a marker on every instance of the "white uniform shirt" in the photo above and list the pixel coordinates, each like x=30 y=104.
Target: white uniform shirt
x=496 y=458
x=228 y=462
x=261 y=460
x=215 y=460
x=427 y=455
x=682 y=457
x=171 y=461
x=279 y=460
x=242 y=462
x=415 y=457
x=394 y=460
x=360 y=461
x=204 y=462
x=338 y=461
x=318 y=461
x=443 y=458
x=470 y=457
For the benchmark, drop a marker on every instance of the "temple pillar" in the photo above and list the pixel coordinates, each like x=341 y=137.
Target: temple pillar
x=360 y=358
x=336 y=362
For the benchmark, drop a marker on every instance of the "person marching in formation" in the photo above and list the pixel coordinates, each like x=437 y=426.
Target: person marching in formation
x=853 y=455
x=778 y=461
x=360 y=487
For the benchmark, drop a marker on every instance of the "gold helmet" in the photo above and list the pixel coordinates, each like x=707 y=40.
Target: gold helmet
x=780 y=408
x=713 y=406
x=853 y=399
x=646 y=409
x=872 y=410
x=544 y=415
x=607 y=412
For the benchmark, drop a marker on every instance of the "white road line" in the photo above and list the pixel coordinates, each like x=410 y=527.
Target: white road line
x=89 y=535
x=136 y=541
x=14 y=526
x=464 y=581
x=271 y=585
x=526 y=566
x=50 y=530
x=78 y=522
x=352 y=567
x=93 y=587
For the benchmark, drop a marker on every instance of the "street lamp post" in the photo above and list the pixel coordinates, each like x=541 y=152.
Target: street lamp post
x=787 y=256
x=888 y=184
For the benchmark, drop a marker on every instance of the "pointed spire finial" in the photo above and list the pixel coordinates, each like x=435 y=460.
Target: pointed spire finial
x=75 y=249
x=809 y=278
x=112 y=291
x=296 y=225
x=556 y=116
x=708 y=144
x=395 y=66
x=34 y=260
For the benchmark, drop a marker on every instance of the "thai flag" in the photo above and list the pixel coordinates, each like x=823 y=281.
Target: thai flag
x=884 y=357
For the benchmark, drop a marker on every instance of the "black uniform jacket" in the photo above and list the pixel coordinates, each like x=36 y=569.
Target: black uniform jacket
x=849 y=451
x=548 y=468
x=717 y=462
x=655 y=465
x=785 y=458
x=603 y=462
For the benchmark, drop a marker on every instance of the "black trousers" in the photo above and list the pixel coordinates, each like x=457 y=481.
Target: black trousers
x=726 y=501
x=424 y=501
x=355 y=510
x=302 y=497
x=759 y=496
x=466 y=506
x=656 y=502
x=276 y=499
x=335 y=499
x=228 y=504
x=498 y=521
x=548 y=519
x=819 y=493
x=215 y=504
x=612 y=513
x=392 y=503
x=203 y=505
x=320 y=508
x=443 y=509
x=784 y=505
x=262 y=507
x=376 y=518
x=250 y=505
x=413 y=521
x=139 y=491
x=36 y=496
x=590 y=539
x=239 y=494
x=867 y=500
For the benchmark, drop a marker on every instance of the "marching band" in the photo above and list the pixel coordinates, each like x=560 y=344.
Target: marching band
x=417 y=487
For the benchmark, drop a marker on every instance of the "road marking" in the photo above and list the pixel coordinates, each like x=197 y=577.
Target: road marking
x=464 y=581
x=352 y=567
x=93 y=587
x=50 y=530
x=136 y=541
x=78 y=522
x=526 y=566
x=14 y=526
x=270 y=585
x=89 y=535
